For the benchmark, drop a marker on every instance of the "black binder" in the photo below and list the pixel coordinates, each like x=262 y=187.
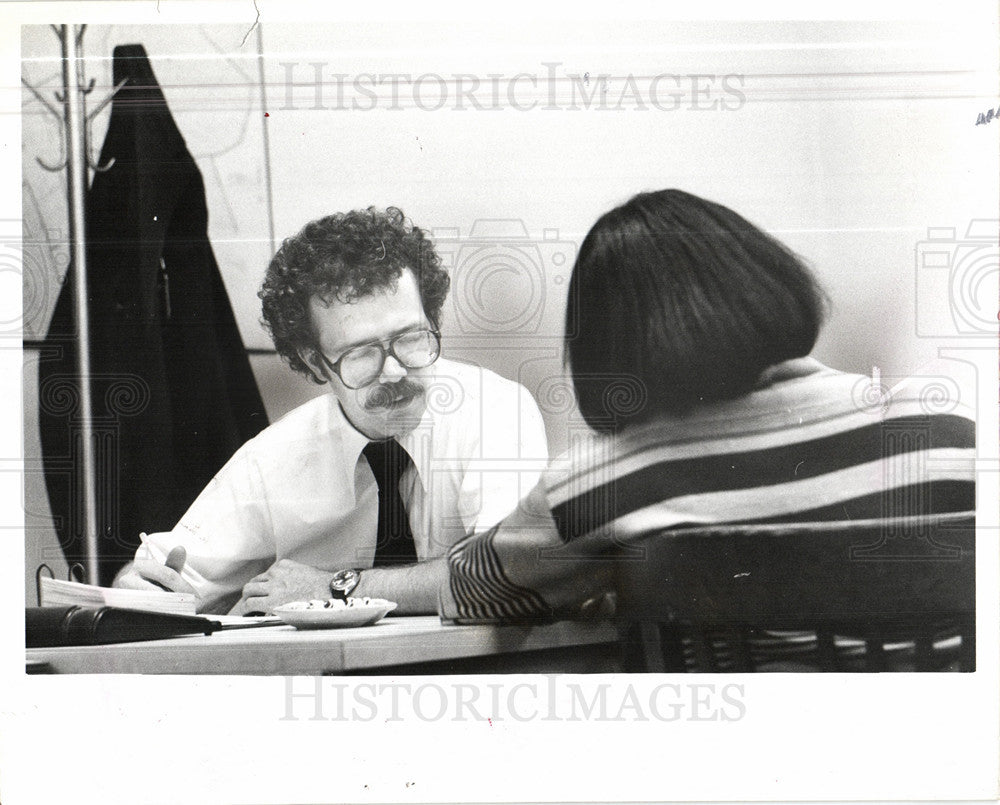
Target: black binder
x=90 y=626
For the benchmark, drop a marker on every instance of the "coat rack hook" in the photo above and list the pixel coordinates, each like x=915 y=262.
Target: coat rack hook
x=62 y=135
x=97 y=109
x=92 y=163
x=42 y=100
x=89 y=118
x=52 y=168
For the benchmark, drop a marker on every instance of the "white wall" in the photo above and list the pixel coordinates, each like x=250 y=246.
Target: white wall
x=853 y=140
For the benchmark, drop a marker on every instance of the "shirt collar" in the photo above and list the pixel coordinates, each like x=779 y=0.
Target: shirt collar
x=417 y=443
x=788 y=370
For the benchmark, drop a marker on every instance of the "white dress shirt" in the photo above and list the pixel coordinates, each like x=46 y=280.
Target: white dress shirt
x=301 y=489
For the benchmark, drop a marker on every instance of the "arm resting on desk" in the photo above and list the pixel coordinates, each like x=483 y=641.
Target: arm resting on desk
x=414 y=587
x=521 y=569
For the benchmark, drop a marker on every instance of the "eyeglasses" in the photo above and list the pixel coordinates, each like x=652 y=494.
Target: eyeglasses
x=360 y=366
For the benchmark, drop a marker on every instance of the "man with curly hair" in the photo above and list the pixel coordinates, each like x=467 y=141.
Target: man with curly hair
x=363 y=490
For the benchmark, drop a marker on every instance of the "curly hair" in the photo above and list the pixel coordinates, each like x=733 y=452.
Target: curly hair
x=342 y=257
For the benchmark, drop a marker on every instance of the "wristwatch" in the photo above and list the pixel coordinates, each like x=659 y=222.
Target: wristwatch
x=343 y=583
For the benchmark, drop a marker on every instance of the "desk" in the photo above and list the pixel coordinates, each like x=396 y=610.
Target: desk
x=394 y=645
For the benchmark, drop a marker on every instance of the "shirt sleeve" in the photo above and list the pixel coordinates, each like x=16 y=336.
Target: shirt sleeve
x=511 y=457
x=521 y=569
x=226 y=533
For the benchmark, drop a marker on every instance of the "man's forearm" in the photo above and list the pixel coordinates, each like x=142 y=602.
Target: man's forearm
x=414 y=587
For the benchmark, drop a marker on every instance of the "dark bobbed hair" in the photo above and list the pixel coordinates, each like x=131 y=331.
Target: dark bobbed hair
x=676 y=301
x=342 y=257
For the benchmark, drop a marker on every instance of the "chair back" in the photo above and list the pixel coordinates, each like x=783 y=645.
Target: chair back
x=895 y=594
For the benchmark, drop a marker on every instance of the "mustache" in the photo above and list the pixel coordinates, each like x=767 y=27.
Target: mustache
x=384 y=395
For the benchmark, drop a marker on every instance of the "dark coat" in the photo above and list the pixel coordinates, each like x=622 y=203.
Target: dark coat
x=173 y=393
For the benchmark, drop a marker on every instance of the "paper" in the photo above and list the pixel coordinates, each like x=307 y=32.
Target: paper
x=55 y=592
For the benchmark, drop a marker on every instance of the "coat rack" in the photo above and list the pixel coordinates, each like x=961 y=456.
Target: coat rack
x=77 y=158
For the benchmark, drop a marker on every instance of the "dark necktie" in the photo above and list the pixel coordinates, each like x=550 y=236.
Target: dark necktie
x=394 y=544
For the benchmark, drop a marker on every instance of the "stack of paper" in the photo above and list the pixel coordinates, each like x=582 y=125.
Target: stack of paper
x=58 y=593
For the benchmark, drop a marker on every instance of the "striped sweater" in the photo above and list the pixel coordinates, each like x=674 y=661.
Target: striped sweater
x=808 y=445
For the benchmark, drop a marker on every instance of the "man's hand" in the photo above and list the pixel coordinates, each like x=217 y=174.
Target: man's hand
x=148 y=574
x=281 y=583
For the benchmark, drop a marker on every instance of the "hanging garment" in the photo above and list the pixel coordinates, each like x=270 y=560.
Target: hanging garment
x=173 y=394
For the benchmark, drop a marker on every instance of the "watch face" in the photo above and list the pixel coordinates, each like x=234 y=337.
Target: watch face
x=344 y=582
